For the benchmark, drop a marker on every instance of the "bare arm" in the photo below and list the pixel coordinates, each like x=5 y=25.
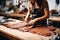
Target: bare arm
x=28 y=13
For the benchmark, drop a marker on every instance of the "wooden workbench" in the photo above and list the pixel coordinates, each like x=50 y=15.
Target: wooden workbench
x=13 y=15
x=14 y=34
x=57 y=19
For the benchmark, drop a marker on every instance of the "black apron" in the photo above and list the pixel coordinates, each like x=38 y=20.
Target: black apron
x=39 y=13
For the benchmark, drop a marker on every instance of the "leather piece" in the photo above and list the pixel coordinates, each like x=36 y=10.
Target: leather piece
x=15 y=26
x=41 y=30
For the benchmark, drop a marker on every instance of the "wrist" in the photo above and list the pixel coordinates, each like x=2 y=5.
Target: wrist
x=35 y=20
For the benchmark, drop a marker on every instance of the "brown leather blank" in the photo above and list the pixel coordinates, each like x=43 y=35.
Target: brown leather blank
x=42 y=30
x=26 y=28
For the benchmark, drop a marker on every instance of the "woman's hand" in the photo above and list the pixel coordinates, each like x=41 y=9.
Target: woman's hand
x=31 y=22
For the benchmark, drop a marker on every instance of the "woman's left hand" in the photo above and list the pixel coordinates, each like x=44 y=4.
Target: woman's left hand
x=31 y=22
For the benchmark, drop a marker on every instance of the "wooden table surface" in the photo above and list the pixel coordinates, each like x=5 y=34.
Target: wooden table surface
x=15 y=34
x=12 y=14
x=57 y=19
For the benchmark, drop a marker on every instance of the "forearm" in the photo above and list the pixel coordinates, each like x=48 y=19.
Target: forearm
x=45 y=16
x=28 y=13
x=41 y=18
